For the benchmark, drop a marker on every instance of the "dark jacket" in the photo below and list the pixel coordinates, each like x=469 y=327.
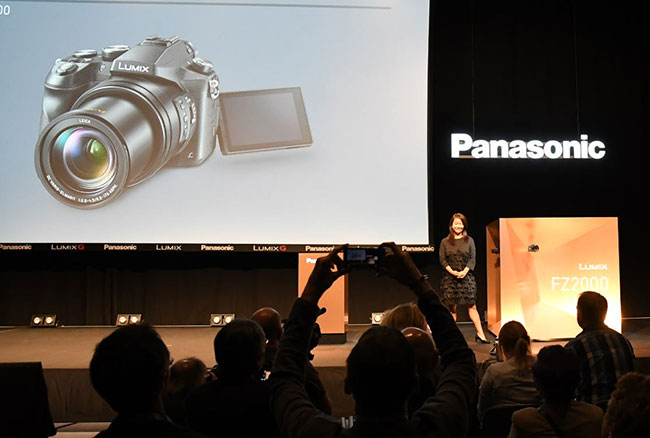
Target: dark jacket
x=447 y=414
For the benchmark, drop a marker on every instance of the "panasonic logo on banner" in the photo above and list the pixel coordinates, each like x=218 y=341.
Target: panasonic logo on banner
x=463 y=146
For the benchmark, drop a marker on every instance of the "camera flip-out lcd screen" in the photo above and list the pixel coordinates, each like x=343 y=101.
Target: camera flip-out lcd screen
x=134 y=132
x=263 y=119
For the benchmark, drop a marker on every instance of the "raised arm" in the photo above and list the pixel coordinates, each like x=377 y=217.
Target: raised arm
x=447 y=414
x=294 y=412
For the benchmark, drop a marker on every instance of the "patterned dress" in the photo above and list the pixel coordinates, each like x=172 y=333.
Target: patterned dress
x=458 y=256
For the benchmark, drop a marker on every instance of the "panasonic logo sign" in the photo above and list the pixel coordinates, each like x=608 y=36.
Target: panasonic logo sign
x=463 y=146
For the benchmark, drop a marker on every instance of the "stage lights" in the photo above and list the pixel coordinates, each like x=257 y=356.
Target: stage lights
x=48 y=320
x=376 y=318
x=221 y=319
x=128 y=319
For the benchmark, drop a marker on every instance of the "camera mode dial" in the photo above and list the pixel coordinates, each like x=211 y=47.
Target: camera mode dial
x=85 y=54
x=109 y=53
x=66 y=68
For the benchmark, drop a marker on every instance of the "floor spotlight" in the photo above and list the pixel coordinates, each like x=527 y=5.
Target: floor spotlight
x=376 y=318
x=216 y=319
x=135 y=319
x=128 y=319
x=48 y=320
x=221 y=319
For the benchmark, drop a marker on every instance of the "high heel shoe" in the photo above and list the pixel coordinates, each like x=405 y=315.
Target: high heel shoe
x=481 y=341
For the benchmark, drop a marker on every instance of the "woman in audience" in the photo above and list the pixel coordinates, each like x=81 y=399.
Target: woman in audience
x=403 y=316
x=427 y=364
x=628 y=413
x=556 y=373
x=510 y=382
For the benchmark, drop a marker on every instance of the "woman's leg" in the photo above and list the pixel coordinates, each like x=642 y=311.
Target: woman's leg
x=476 y=319
x=452 y=310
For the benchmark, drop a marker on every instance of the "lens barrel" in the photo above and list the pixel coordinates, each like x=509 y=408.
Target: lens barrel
x=116 y=135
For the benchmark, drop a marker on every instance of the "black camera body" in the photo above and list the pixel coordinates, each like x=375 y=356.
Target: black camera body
x=111 y=120
x=364 y=256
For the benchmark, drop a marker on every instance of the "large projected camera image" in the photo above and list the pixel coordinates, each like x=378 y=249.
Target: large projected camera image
x=113 y=119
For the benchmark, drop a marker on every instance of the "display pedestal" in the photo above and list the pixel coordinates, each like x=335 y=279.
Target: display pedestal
x=334 y=322
x=537 y=268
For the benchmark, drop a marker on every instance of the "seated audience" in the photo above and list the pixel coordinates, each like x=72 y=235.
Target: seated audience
x=603 y=353
x=184 y=376
x=510 y=381
x=405 y=315
x=628 y=413
x=130 y=369
x=556 y=373
x=381 y=371
x=427 y=366
x=237 y=402
x=271 y=322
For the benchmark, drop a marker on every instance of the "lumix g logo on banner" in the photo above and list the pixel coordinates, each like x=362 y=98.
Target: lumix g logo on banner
x=67 y=247
x=463 y=146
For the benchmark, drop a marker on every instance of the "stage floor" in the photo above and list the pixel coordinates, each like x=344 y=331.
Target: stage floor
x=66 y=352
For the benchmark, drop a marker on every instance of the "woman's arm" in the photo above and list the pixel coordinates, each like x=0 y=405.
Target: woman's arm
x=443 y=258
x=471 y=262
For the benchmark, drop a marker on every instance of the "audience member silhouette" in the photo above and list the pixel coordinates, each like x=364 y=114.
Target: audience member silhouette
x=510 y=381
x=237 y=402
x=628 y=413
x=130 y=369
x=403 y=316
x=427 y=365
x=381 y=370
x=271 y=322
x=185 y=375
x=556 y=373
x=603 y=353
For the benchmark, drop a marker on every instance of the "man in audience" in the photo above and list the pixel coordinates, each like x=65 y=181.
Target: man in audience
x=271 y=322
x=185 y=376
x=628 y=413
x=556 y=373
x=130 y=369
x=380 y=368
x=237 y=402
x=603 y=353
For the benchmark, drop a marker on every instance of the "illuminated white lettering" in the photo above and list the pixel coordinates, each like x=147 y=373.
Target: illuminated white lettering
x=463 y=146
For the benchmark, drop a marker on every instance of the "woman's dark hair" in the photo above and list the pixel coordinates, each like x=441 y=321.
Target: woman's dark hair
x=556 y=371
x=628 y=414
x=405 y=315
x=514 y=339
x=451 y=238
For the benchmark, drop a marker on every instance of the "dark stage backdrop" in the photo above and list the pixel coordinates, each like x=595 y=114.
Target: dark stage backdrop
x=535 y=69
x=544 y=70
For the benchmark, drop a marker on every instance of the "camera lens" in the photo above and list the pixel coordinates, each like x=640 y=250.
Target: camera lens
x=116 y=135
x=83 y=156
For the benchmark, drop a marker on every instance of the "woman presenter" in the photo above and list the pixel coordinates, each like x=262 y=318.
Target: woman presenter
x=458 y=285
